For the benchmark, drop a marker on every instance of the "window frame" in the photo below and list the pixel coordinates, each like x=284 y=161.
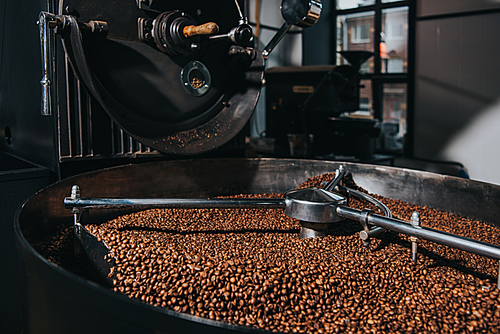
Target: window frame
x=378 y=79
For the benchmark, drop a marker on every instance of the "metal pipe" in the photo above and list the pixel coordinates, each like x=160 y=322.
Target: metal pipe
x=443 y=238
x=175 y=203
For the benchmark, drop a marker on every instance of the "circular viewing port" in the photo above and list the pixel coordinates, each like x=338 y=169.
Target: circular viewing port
x=196 y=78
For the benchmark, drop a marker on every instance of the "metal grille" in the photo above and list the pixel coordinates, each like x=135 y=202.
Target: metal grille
x=85 y=130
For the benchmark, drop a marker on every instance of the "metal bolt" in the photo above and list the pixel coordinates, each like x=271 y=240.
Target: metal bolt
x=415 y=222
x=75 y=192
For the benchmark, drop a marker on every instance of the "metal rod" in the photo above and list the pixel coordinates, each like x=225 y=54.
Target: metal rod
x=414 y=251
x=498 y=281
x=415 y=222
x=443 y=238
x=46 y=48
x=175 y=203
x=239 y=10
x=367 y=235
x=360 y=195
x=276 y=39
x=339 y=175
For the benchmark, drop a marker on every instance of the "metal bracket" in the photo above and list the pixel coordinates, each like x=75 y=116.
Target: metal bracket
x=144 y=28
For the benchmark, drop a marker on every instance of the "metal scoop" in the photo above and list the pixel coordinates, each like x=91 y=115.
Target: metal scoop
x=301 y=13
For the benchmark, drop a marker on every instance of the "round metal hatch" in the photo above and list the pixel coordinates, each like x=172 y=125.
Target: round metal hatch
x=188 y=98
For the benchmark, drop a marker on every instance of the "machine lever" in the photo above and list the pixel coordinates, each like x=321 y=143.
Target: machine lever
x=301 y=13
x=208 y=28
x=44 y=21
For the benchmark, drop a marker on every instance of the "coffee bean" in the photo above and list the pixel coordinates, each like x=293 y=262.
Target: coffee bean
x=248 y=267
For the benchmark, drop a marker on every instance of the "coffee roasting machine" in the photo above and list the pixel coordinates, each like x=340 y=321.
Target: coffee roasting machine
x=149 y=81
x=305 y=109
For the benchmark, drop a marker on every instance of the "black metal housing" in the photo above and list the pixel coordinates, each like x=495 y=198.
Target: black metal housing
x=80 y=136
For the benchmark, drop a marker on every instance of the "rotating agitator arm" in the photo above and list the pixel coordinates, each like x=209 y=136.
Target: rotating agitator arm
x=315 y=208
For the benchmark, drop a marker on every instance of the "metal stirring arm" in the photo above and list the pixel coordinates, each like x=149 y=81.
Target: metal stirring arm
x=174 y=203
x=443 y=238
x=309 y=205
x=315 y=208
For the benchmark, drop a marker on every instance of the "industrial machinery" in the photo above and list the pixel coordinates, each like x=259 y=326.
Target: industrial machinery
x=309 y=104
x=182 y=77
x=144 y=79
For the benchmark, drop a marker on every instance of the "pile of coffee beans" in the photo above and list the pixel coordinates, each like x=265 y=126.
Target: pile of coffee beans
x=248 y=267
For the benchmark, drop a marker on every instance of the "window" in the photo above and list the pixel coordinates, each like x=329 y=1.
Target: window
x=381 y=27
x=348 y=4
x=394 y=31
x=395 y=65
x=355 y=33
x=360 y=33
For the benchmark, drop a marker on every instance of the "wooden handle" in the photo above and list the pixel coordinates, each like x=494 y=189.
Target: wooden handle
x=204 y=29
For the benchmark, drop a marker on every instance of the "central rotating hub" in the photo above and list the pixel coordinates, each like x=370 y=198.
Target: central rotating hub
x=175 y=32
x=315 y=208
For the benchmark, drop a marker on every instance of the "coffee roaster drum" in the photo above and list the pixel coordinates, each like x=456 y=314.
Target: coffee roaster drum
x=62 y=302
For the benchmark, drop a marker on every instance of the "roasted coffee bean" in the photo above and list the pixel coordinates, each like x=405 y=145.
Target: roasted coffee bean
x=248 y=267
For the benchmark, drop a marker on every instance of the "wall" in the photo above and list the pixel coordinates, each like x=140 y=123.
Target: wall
x=20 y=90
x=457 y=85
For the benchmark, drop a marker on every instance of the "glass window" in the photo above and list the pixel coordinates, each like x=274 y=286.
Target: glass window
x=355 y=33
x=365 y=96
x=348 y=4
x=357 y=30
x=394 y=40
x=393 y=124
x=360 y=34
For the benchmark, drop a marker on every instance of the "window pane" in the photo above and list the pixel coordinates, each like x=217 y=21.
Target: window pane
x=355 y=33
x=393 y=124
x=394 y=40
x=365 y=97
x=348 y=4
